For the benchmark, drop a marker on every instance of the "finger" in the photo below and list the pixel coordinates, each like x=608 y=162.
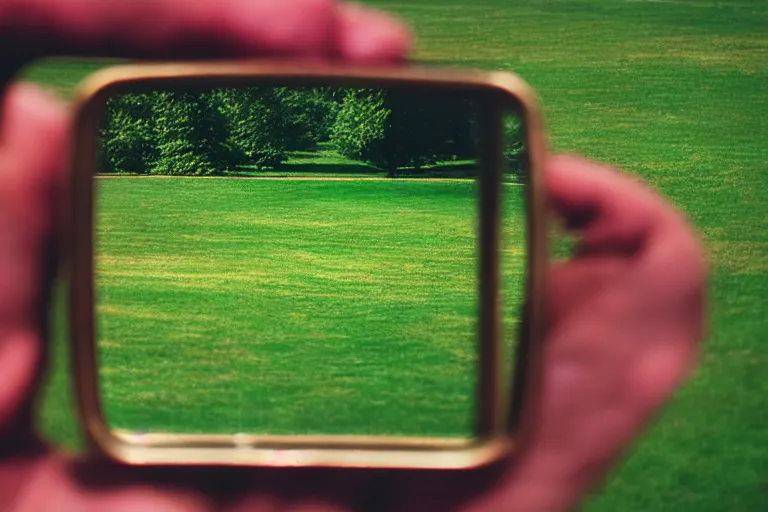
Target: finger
x=619 y=342
x=612 y=211
x=674 y=257
x=179 y=28
x=571 y=283
x=367 y=35
x=33 y=156
x=620 y=217
x=50 y=487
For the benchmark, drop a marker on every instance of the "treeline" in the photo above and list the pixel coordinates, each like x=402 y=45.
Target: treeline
x=220 y=131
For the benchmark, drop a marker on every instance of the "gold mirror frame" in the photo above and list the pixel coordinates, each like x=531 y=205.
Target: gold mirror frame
x=500 y=416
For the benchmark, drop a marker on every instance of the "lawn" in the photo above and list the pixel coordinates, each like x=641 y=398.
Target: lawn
x=673 y=92
x=291 y=306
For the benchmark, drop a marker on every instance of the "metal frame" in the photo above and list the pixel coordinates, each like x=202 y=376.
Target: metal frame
x=500 y=412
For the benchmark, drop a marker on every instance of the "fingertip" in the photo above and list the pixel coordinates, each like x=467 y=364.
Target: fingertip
x=34 y=155
x=30 y=111
x=577 y=185
x=568 y=190
x=558 y=171
x=367 y=35
x=561 y=162
x=569 y=172
x=28 y=93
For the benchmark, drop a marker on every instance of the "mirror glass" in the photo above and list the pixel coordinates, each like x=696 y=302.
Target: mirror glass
x=296 y=260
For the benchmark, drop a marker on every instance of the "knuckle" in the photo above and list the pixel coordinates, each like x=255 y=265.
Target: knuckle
x=690 y=258
x=677 y=255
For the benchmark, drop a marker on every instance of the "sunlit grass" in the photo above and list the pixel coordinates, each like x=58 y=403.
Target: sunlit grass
x=291 y=306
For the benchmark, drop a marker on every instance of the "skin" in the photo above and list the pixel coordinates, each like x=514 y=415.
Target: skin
x=625 y=316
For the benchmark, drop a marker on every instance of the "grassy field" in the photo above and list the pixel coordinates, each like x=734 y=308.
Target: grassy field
x=290 y=306
x=674 y=92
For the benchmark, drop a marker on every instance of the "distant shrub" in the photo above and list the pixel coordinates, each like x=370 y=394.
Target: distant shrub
x=215 y=132
x=128 y=135
x=256 y=123
x=192 y=134
x=360 y=127
x=308 y=116
x=404 y=128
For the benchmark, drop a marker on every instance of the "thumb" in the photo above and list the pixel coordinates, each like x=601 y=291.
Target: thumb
x=33 y=158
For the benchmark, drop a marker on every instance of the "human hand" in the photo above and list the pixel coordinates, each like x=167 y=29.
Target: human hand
x=625 y=316
x=625 y=319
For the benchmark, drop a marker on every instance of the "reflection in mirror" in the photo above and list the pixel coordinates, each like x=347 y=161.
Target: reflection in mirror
x=278 y=260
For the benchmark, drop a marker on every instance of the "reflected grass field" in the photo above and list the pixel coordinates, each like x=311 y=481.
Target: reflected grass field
x=291 y=306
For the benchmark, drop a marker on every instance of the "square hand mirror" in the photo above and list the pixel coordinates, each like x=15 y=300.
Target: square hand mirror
x=282 y=264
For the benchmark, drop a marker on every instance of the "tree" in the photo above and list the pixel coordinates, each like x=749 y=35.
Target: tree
x=359 y=130
x=256 y=118
x=198 y=133
x=405 y=128
x=129 y=135
x=193 y=134
x=514 y=146
x=308 y=115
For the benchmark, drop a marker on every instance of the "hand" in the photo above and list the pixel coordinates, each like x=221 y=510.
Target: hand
x=625 y=316
x=625 y=321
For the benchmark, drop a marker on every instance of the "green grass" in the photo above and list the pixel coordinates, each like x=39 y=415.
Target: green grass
x=673 y=92
x=289 y=306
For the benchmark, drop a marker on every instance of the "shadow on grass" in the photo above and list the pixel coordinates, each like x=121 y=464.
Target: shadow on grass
x=448 y=170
